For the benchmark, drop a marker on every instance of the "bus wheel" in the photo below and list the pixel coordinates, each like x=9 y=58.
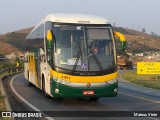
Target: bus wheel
x=46 y=95
x=94 y=98
x=59 y=99
x=43 y=88
x=30 y=84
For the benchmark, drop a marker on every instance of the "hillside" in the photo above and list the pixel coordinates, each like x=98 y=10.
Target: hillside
x=25 y=31
x=139 y=41
x=142 y=43
x=136 y=41
x=6 y=48
x=14 y=41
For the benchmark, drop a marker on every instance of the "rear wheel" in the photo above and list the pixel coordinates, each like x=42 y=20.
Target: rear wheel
x=30 y=84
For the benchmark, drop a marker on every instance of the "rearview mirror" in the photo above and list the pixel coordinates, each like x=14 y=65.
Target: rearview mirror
x=49 y=35
x=122 y=39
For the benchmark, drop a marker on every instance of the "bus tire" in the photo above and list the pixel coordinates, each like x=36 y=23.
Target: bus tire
x=43 y=87
x=30 y=84
x=94 y=98
x=46 y=95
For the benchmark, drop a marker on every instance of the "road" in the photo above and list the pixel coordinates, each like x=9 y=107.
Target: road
x=130 y=98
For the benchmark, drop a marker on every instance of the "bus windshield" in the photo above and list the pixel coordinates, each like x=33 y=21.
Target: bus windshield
x=83 y=48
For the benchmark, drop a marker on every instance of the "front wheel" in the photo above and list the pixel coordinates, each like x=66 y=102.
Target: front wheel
x=43 y=88
x=94 y=98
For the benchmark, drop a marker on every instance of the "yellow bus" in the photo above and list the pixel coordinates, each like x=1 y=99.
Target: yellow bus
x=73 y=56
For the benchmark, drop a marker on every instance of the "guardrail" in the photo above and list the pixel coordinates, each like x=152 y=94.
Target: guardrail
x=10 y=71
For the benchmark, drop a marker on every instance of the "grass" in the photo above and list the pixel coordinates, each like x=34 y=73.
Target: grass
x=2 y=105
x=145 y=80
x=2 y=108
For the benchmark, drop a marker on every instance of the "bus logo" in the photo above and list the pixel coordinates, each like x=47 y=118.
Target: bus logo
x=88 y=85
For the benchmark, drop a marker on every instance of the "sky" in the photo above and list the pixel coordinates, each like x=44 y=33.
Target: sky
x=133 y=14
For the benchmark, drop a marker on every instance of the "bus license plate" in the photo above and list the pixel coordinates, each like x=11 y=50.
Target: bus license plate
x=88 y=92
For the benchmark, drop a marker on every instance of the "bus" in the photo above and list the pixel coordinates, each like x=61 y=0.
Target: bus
x=73 y=56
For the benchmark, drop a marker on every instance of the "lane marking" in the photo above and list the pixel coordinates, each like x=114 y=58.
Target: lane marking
x=142 y=98
x=141 y=90
x=25 y=101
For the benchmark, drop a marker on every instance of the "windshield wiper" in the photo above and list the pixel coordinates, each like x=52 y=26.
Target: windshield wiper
x=78 y=56
x=94 y=57
x=97 y=62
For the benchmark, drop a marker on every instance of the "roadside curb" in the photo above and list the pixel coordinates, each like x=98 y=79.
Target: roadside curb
x=122 y=78
x=6 y=101
x=9 y=71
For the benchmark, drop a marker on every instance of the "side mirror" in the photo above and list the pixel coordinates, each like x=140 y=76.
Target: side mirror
x=49 y=35
x=122 y=39
x=50 y=38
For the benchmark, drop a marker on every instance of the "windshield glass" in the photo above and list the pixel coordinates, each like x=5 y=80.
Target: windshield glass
x=83 y=48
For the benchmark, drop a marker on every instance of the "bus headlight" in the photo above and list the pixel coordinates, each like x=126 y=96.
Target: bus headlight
x=65 y=82
x=112 y=81
x=115 y=90
x=56 y=90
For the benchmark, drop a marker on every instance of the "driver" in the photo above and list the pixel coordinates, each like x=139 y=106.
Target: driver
x=95 y=50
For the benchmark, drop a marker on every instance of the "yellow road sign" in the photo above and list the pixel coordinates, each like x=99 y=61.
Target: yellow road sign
x=17 y=64
x=148 y=68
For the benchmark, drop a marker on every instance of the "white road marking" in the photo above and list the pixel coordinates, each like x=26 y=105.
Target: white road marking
x=25 y=101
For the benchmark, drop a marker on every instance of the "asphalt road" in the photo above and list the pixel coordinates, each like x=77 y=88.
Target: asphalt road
x=130 y=98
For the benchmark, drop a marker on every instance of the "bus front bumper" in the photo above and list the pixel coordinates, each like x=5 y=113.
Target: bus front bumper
x=59 y=90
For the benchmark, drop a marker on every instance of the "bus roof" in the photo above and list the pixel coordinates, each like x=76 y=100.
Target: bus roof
x=75 y=18
x=72 y=18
